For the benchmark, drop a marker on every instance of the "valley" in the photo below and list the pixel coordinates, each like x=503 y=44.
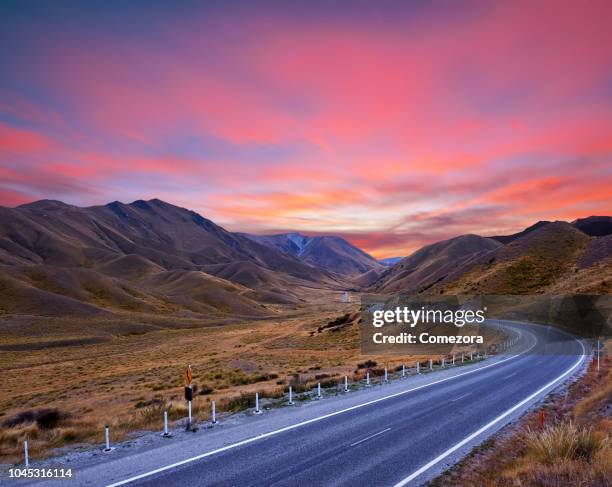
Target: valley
x=102 y=307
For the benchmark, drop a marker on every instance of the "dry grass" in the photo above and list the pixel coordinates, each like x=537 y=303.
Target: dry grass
x=564 y=441
x=125 y=373
x=574 y=448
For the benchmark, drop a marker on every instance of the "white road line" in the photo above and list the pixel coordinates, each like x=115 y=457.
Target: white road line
x=461 y=397
x=308 y=421
x=466 y=440
x=371 y=436
x=511 y=375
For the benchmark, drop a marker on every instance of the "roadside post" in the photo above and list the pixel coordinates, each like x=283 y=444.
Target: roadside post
x=430 y=364
x=418 y=368
x=598 y=353
x=346 y=387
x=318 y=390
x=257 y=410
x=166 y=433
x=442 y=362
x=462 y=357
x=214 y=413
x=453 y=359
x=106 y=435
x=188 y=376
x=367 y=379
x=290 y=396
x=403 y=370
x=25 y=451
x=386 y=375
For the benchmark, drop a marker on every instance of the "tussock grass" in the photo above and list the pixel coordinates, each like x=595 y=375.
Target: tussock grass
x=564 y=441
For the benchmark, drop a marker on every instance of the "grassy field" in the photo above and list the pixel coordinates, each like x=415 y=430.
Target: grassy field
x=63 y=379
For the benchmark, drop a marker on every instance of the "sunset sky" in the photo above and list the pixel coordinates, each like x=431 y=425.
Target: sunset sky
x=391 y=124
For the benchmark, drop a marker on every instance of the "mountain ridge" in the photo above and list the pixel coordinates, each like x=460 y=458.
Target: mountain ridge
x=329 y=252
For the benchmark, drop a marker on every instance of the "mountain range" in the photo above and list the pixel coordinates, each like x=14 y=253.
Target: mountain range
x=151 y=257
x=328 y=252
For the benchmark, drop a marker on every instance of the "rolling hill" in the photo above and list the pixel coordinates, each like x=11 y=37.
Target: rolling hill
x=147 y=256
x=432 y=264
x=547 y=257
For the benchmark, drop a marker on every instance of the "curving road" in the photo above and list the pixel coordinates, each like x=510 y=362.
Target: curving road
x=404 y=433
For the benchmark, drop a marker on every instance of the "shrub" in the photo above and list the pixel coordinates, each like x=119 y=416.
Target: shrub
x=564 y=441
x=44 y=418
x=368 y=364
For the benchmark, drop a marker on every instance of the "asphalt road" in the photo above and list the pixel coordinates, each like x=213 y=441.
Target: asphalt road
x=400 y=435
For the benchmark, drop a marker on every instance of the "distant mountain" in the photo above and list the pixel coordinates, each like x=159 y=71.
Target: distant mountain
x=509 y=238
x=595 y=226
x=390 y=261
x=433 y=263
x=330 y=253
x=146 y=256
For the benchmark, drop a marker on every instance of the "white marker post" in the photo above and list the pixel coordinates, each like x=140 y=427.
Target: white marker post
x=386 y=375
x=442 y=362
x=290 y=396
x=257 y=410
x=462 y=358
x=367 y=379
x=430 y=364
x=418 y=367
x=598 y=353
x=189 y=412
x=166 y=433
x=346 y=387
x=318 y=390
x=471 y=356
x=214 y=413
x=403 y=370
x=453 y=359
x=106 y=434
x=25 y=451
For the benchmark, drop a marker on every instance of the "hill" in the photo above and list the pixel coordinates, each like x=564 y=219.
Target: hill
x=433 y=263
x=555 y=258
x=509 y=238
x=595 y=226
x=127 y=253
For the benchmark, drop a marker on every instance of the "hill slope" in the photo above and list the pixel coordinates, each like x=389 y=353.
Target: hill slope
x=433 y=263
x=130 y=246
x=556 y=258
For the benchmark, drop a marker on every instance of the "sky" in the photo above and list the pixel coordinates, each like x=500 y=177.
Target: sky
x=392 y=124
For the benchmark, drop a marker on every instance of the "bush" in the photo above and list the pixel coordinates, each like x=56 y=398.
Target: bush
x=368 y=364
x=564 y=441
x=44 y=418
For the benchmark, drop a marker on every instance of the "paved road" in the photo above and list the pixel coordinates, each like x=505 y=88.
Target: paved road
x=405 y=439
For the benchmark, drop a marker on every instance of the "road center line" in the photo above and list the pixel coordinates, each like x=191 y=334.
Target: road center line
x=370 y=437
x=310 y=421
x=461 y=397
